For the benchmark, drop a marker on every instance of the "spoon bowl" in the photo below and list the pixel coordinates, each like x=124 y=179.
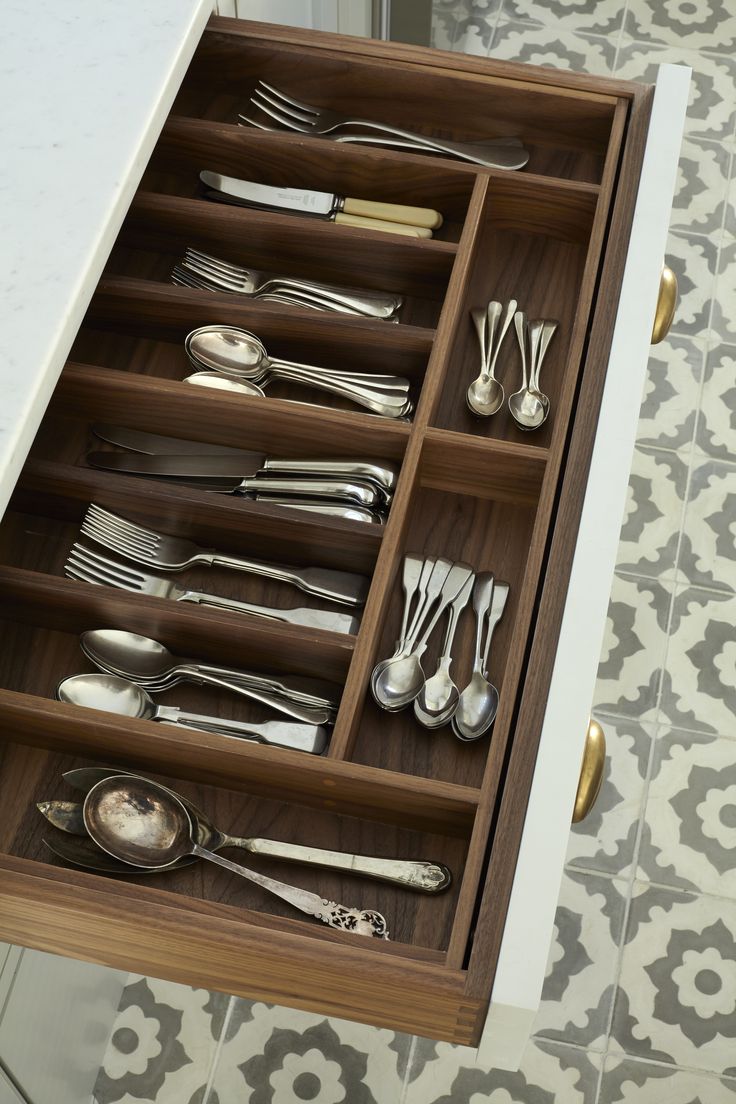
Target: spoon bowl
x=476 y=708
x=110 y=693
x=485 y=396
x=127 y=654
x=220 y=382
x=399 y=682
x=138 y=822
x=528 y=408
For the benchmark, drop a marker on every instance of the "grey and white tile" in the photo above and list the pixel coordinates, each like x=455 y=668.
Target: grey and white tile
x=676 y=1001
x=708 y=549
x=579 y=986
x=702 y=188
x=163 y=1044
x=274 y=1055
x=628 y=1081
x=605 y=841
x=699 y=683
x=705 y=24
x=669 y=407
x=550 y=1073
x=561 y=49
x=600 y=17
x=690 y=815
x=634 y=646
x=712 y=105
x=655 y=504
x=723 y=323
x=694 y=261
x=715 y=434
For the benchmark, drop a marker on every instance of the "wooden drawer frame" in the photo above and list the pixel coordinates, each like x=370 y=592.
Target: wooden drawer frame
x=559 y=243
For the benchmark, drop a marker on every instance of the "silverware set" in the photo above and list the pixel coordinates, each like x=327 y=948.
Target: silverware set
x=271 y=106
x=355 y=489
x=78 y=847
x=133 y=545
x=234 y=358
x=143 y=826
x=434 y=586
x=529 y=406
x=208 y=273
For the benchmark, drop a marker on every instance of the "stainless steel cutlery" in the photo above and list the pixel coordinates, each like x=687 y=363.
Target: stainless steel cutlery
x=417 y=222
x=304 y=118
x=529 y=406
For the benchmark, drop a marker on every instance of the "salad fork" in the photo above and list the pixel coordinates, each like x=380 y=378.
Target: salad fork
x=305 y=118
x=91 y=567
x=152 y=549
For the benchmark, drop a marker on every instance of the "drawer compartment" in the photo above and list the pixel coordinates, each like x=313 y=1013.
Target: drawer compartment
x=474 y=490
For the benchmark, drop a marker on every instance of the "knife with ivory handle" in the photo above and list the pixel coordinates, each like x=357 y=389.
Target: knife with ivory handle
x=396 y=218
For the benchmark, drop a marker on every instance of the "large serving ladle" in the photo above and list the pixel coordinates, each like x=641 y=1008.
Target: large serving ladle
x=143 y=824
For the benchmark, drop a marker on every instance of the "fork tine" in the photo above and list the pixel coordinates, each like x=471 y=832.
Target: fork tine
x=76 y=569
x=207 y=272
x=109 y=533
x=186 y=279
x=106 y=515
x=81 y=554
x=281 y=103
x=194 y=255
x=117 y=542
x=288 y=121
x=243 y=119
x=289 y=99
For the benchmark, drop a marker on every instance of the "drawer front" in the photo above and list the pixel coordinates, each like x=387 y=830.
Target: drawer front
x=523 y=956
x=477 y=490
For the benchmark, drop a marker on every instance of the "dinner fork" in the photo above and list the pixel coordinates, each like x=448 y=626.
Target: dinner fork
x=157 y=550
x=305 y=118
x=254 y=281
x=184 y=278
x=91 y=567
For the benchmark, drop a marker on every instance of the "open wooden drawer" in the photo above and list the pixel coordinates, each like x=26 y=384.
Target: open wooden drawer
x=554 y=237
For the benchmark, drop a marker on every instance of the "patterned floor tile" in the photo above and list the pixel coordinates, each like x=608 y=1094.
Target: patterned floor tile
x=694 y=261
x=274 y=1055
x=655 y=504
x=712 y=107
x=670 y=403
x=709 y=532
x=606 y=839
x=558 y=49
x=724 y=318
x=600 y=17
x=579 y=986
x=705 y=24
x=634 y=645
x=163 y=1044
x=690 y=816
x=699 y=684
x=702 y=187
x=715 y=434
x=626 y=1081
x=676 y=1001
x=550 y=1073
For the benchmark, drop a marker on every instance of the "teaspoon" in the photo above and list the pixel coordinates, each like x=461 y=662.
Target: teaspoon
x=478 y=703
x=144 y=824
x=439 y=696
x=485 y=394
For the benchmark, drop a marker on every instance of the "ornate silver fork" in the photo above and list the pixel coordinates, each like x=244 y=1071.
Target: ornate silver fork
x=152 y=549
x=92 y=567
x=305 y=118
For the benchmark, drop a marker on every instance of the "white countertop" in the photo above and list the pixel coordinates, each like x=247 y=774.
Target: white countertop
x=85 y=86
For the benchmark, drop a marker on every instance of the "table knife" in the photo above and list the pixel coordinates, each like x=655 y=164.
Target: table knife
x=153 y=444
x=250 y=475
x=368 y=213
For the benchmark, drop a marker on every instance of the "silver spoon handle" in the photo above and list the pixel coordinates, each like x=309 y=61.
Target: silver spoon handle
x=498 y=603
x=520 y=324
x=456 y=608
x=501 y=334
x=384 y=476
x=328 y=620
x=456 y=579
x=297 y=737
x=425 y=877
x=439 y=569
x=482 y=595
x=369 y=379
x=411 y=575
x=500 y=158
x=362 y=494
x=361 y=395
x=359 y=921
x=373 y=306
x=306 y=714
x=338 y=586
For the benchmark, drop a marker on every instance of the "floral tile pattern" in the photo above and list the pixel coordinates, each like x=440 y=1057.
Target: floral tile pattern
x=600 y=17
x=724 y=322
x=715 y=434
x=706 y=24
x=676 y=1001
x=578 y=990
x=702 y=186
x=655 y=503
x=549 y=1073
x=669 y=409
x=709 y=530
x=560 y=49
x=626 y=1081
x=605 y=841
x=694 y=261
x=690 y=815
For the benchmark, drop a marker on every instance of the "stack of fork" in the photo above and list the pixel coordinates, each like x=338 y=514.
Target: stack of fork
x=273 y=106
x=205 y=272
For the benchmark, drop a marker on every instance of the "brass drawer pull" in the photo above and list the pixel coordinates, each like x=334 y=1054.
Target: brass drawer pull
x=591 y=772
x=666 y=303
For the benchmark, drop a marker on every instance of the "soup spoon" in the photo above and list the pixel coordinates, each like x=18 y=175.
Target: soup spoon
x=143 y=824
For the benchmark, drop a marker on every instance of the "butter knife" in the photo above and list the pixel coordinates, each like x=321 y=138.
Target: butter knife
x=397 y=218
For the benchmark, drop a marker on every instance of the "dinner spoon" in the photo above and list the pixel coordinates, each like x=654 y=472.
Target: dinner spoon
x=478 y=703
x=114 y=694
x=143 y=824
x=221 y=382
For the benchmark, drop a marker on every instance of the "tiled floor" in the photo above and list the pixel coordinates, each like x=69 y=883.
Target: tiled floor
x=640 y=1001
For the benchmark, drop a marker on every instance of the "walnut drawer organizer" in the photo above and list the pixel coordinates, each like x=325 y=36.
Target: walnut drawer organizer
x=554 y=237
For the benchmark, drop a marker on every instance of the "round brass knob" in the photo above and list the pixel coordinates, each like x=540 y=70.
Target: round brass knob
x=591 y=772
x=666 y=303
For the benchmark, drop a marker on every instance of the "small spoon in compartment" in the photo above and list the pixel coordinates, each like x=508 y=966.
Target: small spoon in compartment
x=485 y=394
